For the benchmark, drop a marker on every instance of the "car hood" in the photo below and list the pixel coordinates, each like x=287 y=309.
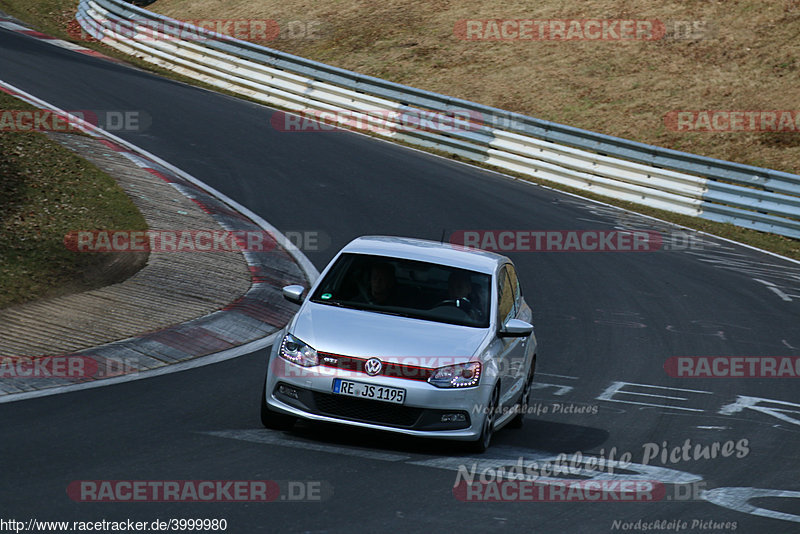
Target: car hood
x=366 y=334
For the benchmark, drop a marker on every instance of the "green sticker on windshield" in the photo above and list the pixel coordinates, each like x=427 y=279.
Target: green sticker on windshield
x=325 y=296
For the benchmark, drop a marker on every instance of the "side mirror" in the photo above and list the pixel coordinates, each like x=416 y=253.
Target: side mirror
x=516 y=328
x=294 y=293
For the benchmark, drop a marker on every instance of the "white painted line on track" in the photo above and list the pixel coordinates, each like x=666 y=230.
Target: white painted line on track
x=772 y=287
x=738 y=499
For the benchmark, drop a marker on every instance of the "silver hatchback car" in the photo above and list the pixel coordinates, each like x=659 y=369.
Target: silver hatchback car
x=406 y=335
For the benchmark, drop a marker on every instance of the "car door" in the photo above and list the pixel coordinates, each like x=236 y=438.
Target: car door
x=522 y=312
x=512 y=353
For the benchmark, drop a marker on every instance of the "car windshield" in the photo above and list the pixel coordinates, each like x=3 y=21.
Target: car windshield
x=408 y=288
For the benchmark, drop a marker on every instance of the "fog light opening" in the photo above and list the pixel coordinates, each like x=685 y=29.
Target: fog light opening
x=453 y=418
x=289 y=391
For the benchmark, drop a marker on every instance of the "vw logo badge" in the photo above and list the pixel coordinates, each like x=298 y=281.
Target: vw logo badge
x=373 y=366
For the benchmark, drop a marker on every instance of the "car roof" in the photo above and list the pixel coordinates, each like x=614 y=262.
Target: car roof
x=428 y=251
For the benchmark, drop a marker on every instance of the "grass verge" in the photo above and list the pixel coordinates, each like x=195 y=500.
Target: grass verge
x=45 y=192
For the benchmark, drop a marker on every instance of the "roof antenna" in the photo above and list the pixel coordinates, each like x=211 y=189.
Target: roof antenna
x=444 y=231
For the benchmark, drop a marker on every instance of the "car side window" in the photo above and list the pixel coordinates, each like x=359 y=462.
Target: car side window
x=505 y=296
x=512 y=275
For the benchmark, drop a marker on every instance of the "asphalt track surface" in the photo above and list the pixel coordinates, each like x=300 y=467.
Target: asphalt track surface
x=600 y=318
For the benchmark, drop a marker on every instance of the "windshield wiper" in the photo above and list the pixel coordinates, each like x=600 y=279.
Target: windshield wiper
x=336 y=303
x=387 y=312
x=340 y=304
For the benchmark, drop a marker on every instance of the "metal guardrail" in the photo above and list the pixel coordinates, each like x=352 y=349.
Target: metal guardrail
x=723 y=191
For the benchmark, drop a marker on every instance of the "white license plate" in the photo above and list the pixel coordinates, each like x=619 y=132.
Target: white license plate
x=369 y=391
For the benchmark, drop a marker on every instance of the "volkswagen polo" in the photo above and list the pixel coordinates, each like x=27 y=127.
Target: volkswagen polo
x=406 y=335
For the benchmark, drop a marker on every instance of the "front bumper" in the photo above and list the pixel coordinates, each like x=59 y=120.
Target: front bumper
x=307 y=393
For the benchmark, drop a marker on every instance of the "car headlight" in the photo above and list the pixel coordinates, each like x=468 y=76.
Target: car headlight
x=295 y=351
x=463 y=375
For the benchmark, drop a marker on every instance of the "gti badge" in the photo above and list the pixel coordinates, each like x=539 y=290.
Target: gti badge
x=373 y=366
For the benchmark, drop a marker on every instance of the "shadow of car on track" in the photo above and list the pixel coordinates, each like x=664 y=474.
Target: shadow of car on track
x=537 y=435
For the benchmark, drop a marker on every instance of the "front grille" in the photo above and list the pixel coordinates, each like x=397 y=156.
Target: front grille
x=367 y=411
x=391 y=369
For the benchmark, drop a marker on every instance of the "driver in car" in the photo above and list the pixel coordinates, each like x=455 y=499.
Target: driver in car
x=382 y=284
x=459 y=289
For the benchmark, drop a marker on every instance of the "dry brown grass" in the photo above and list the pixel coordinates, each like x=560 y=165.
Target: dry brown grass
x=618 y=88
x=622 y=89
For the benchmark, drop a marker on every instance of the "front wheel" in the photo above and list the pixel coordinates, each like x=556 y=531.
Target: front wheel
x=524 y=400
x=273 y=420
x=487 y=430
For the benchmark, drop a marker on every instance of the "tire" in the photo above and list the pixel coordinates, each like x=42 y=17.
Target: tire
x=519 y=420
x=274 y=420
x=487 y=431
